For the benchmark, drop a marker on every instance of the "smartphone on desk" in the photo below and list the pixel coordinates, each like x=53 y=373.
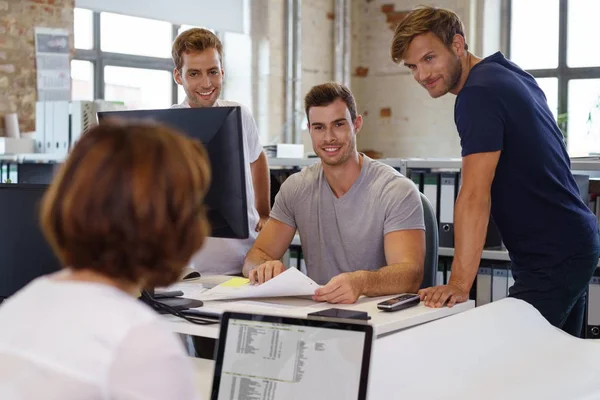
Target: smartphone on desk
x=401 y=302
x=338 y=314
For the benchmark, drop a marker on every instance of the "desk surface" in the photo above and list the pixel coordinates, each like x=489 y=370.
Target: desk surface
x=502 y=350
x=383 y=322
x=476 y=355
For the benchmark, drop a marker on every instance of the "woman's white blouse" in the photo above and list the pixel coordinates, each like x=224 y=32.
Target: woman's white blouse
x=75 y=340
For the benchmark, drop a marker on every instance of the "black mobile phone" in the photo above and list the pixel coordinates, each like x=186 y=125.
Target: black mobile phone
x=338 y=314
x=401 y=302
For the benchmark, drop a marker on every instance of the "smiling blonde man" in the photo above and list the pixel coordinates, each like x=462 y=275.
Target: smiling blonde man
x=360 y=221
x=515 y=166
x=198 y=58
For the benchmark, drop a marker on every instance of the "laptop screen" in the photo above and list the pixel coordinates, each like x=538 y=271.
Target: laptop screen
x=276 y=358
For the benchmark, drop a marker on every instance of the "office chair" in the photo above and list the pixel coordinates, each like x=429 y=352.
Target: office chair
x=431 y=244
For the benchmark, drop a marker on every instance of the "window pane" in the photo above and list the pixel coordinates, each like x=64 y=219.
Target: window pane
x=180 y=94
x=582 y=27
x=533 y=38
x=550 y=89
x=584 y=116
x=138 y=88
x=238 y=69
x=82 y=80
x=132 y=35
x=83 y=29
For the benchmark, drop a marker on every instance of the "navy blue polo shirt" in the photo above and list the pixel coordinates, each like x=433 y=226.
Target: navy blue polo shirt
x=535 y=200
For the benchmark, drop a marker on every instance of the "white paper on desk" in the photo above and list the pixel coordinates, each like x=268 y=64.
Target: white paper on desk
x=291 y=282
x=504 y=341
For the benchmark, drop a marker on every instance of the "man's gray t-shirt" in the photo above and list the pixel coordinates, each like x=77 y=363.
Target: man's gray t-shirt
x=346 y=234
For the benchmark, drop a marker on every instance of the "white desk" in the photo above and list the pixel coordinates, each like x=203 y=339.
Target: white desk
x=504 y=350
x=383 y=322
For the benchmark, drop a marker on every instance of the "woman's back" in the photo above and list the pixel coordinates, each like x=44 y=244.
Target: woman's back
x=124 y=212
x=82 y=340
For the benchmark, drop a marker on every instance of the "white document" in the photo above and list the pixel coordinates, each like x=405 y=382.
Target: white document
x=504 y=341
x=53 y=64
x=291 y=282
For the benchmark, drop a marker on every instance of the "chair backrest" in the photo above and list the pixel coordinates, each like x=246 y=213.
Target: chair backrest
x=431 y=244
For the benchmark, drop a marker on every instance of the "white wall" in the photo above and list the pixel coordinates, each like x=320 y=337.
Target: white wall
x=492 y=14
x=220 y=15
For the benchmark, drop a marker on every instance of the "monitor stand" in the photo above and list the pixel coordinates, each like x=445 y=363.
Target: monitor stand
x=173 y=299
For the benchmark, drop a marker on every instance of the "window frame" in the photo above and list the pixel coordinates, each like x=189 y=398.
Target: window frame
x=101 y=59
x=563 y=72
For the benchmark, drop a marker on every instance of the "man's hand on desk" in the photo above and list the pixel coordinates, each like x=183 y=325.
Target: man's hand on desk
x=345 y=288
x=266 y=271
x=437 y=296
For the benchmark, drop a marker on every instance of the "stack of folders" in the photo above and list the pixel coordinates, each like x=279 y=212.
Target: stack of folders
x=441 y=189
x=593 y=308
x=493 y=282
x=291 y=259
x=439 y=280
x=593 y=195
x=8 y=172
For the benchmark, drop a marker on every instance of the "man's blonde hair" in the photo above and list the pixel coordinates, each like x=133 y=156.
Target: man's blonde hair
x=194 y=40
x=423 y=19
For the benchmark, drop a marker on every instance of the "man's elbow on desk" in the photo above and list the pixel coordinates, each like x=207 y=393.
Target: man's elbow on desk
x=348 y=287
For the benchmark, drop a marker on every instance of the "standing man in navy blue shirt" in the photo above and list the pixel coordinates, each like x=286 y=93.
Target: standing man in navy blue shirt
x=514 y=165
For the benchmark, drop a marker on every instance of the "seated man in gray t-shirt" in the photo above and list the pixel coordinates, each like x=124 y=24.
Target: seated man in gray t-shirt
x=360 y=221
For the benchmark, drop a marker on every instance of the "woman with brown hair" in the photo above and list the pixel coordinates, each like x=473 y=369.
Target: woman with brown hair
x=124 y=213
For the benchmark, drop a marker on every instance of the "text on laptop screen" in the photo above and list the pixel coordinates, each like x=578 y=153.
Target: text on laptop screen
x=264 y=360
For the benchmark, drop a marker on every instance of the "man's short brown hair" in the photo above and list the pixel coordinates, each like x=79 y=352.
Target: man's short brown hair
x=194 y=40
x=327 y=93
x=442 y=23
x=129 y=203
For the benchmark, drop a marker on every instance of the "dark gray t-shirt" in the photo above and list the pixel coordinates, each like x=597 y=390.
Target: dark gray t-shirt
x=346 y=234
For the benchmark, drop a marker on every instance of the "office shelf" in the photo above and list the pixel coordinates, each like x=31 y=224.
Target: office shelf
x=585 y=165
x=496 y=255
x=303 y=162
x=32 y=158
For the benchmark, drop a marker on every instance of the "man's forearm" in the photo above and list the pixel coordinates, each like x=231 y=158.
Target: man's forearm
x=391 y=279
x=471 y=218
x=262 y=185
x=254 y=258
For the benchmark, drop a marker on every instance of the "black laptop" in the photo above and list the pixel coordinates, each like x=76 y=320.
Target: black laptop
x=272 y=357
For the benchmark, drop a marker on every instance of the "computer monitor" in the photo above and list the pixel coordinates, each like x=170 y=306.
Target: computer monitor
x=24 y=252
x=280 y=358
x=220 y=131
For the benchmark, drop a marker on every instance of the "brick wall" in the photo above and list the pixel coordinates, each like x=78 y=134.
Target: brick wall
x=318 y=48
x=400 y=119
x=18 y=18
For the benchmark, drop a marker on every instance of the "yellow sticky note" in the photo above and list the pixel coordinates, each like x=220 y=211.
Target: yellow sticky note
x=236 y=282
